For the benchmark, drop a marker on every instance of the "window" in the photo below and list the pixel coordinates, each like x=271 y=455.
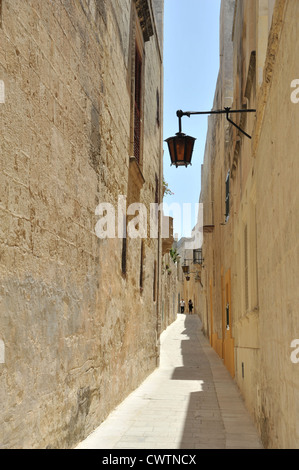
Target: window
x=124 y=248
x=227 y=317
x=158 y=109
x=124 y=257
x=141 y=32
x=138 y=105
x=227 y=184
x=197 y=256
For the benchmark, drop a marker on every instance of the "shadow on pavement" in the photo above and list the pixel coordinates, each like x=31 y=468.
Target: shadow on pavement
x=203 y=428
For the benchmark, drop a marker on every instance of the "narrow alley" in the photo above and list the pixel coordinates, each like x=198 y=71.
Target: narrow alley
x=189 y=402
x=134 y=185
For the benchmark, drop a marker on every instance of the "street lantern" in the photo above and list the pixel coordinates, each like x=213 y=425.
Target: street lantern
x=180 y=149
x=181 y=145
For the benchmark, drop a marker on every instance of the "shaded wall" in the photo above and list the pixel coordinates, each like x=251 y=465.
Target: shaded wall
x=78 y=334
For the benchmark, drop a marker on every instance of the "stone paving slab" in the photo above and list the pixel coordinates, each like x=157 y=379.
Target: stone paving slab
x=189 y=402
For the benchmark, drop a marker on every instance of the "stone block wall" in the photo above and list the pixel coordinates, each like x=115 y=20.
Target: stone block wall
x=78 y=335
x=251 y=259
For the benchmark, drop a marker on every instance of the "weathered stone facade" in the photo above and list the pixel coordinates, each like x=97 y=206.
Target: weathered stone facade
x=79 y=324
x=251 y=199
x=189 y=283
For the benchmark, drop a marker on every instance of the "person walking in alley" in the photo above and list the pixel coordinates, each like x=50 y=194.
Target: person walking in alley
x=182 y=304
x=190 y=303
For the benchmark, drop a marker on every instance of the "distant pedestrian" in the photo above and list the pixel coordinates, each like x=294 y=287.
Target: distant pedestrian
x=190 y=303
x=182 y=304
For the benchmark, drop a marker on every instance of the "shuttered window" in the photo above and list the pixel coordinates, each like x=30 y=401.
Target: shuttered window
x=124 y=248
x=137 y=107
x=158 y=108
x=227 y=317
x=124 y=257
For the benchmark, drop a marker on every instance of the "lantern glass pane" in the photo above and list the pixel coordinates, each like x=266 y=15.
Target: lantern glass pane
x=180 y=150
x=171 y=149
x=189 y=149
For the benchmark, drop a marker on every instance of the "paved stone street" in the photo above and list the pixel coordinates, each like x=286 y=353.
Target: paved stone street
x=189 y=402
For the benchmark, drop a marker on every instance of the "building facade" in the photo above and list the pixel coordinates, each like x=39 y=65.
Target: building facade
x=81 y=91
x=189 y=274
x=249 y=298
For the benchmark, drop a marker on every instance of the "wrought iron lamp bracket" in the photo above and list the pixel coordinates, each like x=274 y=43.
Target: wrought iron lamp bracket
x=227 y=111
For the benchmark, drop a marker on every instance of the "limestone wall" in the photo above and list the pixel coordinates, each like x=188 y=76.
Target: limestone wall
x=250 y=300
x=277 y=175
x=78 y=334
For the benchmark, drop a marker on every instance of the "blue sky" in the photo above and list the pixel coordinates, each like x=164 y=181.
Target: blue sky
x=191 y=66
